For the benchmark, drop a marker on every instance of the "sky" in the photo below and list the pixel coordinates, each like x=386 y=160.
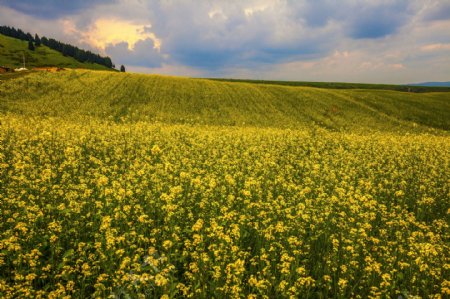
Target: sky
x=373 y=41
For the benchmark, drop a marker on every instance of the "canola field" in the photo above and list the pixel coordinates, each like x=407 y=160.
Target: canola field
x=103 y=207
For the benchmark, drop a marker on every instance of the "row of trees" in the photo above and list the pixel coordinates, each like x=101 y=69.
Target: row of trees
x=66 y=49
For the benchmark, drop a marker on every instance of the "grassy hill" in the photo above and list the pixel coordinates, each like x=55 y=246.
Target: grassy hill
x=127 y=185
x=176 y=100
x=12 y=51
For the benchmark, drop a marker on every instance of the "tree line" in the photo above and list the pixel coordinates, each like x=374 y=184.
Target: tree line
x=66 y=49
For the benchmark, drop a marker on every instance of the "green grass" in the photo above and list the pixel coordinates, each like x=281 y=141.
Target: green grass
x=12 y=51
x=132 y=97
x=342 y=85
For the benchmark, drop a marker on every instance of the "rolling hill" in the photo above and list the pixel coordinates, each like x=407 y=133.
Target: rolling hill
x=174 y=100
x=12 y=51
x=127 y=185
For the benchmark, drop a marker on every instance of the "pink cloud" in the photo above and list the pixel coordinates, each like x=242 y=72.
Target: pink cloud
x=435 y=47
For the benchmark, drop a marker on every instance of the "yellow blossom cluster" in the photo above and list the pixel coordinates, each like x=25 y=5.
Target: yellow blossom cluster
x=144 y=210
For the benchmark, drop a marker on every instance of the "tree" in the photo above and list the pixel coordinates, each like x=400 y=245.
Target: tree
x=21 y=35
x=44 y=41
x=30 y=45
x=107 y=62
x=122 y=69
x=29 y=37
x=37 y=40
x=65 y=51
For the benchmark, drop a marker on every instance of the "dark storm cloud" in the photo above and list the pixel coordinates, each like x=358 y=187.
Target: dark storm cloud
x=143 y=54
x=49 y=9
x=212 y=36
x=378 y=20
x=359 y=19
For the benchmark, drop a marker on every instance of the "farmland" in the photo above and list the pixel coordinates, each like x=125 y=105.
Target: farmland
x=149 y=186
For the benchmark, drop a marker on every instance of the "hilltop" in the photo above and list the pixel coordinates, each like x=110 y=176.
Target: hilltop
x=75 y=94
x=12 y=51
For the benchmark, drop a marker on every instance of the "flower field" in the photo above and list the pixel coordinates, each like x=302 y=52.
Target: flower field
x=134 y=186
x=171 y=211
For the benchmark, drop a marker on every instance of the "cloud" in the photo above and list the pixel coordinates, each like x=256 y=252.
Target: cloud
x=358 y=19
x=112 y=31
x=216 y=34
x=374 y=25
x=144 y=54
x=377 y=20
x=316 y=13
x=436 y=47
x=438 y=11
x=364 y=40
x=51 y=8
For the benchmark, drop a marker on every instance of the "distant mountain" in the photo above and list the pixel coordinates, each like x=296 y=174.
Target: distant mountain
x=432 y=84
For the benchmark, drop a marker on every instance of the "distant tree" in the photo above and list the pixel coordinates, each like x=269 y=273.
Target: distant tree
x=30 y=45
x=29 y=37
x=122 y=69
x=107 y=62
x=21 y=35
x=37 y=40
x=44 y=41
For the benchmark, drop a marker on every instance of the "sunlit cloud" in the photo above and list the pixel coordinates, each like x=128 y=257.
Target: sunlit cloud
x=104 y=32
x=436 y=47
x=249 y=11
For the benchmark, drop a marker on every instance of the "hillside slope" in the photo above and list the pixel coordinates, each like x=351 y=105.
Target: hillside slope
x=12 y=51
x=119 y=97
x=98 y=195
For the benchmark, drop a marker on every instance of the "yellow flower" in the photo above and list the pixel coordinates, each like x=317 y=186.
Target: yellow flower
x=198 y=225
x=160 y=280
x=155 y=150
x=167 y=244
x=342 y=283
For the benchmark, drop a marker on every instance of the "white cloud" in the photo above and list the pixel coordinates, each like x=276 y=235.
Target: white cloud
x=436 y=47
x=106 y=31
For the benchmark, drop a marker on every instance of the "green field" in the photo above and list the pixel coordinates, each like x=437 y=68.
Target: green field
x=12 y=51
x=343 y=85
x=136 y=186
